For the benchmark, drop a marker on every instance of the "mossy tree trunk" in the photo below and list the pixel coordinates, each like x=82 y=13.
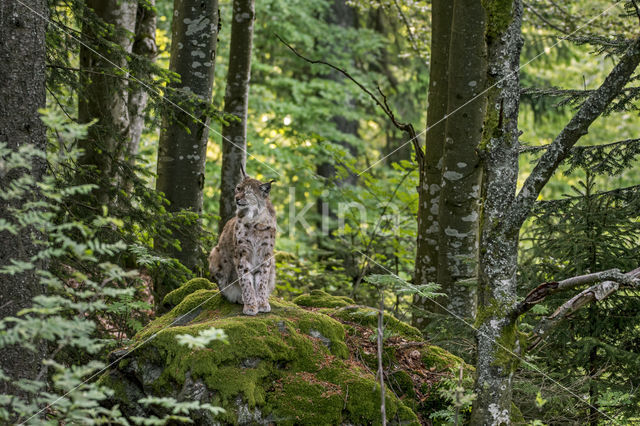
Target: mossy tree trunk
x=103 y=94
x=236 y=102
x=503 y=212
x=22 y=93
x=344 y=16
x=185 y=130
x=426 y=264
x=496 y=334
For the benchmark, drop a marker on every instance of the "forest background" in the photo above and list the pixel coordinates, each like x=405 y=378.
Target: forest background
x=100 y=245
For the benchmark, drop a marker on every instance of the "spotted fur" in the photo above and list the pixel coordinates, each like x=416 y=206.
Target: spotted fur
x=242 y=263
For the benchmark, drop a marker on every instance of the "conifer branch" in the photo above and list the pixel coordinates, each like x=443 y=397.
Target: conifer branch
x=577 y=127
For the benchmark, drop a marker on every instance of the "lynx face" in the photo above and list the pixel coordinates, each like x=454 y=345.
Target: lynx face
x=251 y=198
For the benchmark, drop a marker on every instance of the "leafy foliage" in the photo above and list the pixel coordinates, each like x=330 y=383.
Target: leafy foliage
x=89 y=303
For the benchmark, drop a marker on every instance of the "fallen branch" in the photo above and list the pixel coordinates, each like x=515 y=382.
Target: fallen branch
x=608 y=282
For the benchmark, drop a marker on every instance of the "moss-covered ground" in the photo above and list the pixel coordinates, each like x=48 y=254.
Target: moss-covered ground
x=308 y=364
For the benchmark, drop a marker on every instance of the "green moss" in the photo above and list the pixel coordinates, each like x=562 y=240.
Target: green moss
x=403 y=384
x=369 y=317
x=117 y=386
x=498 y=16
x=322 y=299
x=291 y=364
x=295 y=394
x=505 y=346
x=434 y=356
x=176 y=296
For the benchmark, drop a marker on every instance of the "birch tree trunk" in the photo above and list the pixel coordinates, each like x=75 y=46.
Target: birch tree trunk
x=103 y=94
x=236 y=102
x=22 y=93
x=426 y=264
x=145 y=47
x=183 y=139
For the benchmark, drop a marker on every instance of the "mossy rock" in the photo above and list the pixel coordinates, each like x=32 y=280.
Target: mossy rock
x=176 y=296
x=290 y=366
x=322 y=299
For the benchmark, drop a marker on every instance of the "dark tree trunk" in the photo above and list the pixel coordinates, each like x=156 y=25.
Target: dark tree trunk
x=236 y=102
x=144 y=46
x=103 y=94
x=22 y=93
x=430 y=172
x=342 y=15
x=183 y=139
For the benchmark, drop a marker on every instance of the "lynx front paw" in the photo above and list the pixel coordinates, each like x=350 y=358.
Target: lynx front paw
x=250 y=310
x=264 y=307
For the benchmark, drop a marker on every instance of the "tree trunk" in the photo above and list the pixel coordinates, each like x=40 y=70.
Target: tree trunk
x=144 y=46
x=236 y=102
x=461 y=174
x=497 y=333
x=503 y=212
x=103 y=94
x=183 y=139
x=22 y=93
x=426 y=265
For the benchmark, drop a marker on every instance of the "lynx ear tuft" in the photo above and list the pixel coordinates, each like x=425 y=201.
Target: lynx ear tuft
x=266 y=187
x=244 y=174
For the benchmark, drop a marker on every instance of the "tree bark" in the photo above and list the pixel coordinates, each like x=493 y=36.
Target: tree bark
x=496 y=332
x=144 y=46
x=183 y=139
x=430 y=173
x=503 y=213
x=22 y=93
x=461 y=174
x=103 y=94
x=236 y=102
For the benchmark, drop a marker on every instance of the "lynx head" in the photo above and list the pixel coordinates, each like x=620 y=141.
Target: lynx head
x=252 y=198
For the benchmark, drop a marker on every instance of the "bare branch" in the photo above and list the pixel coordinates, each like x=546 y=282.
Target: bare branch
x=414 y=42
x=539 y=293
x=596 y=292
x=382 y=103
x=544 y=20
x=577 y=127
x=380 y=367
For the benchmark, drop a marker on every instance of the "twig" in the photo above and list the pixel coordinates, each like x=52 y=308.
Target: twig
x=383 y=410
x=414 y=42
x=539 y=293
x=405 y=127
x=543 y=19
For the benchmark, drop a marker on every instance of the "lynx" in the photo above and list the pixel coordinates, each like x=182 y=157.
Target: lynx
x=242 y=263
